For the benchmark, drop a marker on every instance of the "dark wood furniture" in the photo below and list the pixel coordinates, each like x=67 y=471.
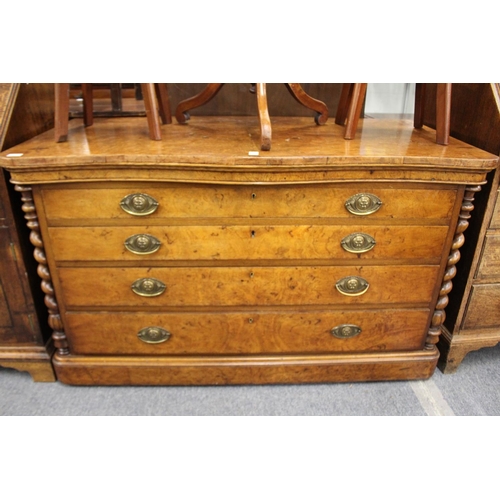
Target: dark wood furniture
x=473 y=315
x=24 y=345
x=188 y=261
x=156 y=103
x=353 y=95
x=260 y=89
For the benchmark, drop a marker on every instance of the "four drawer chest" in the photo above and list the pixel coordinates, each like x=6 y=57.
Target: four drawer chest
x=200 y=260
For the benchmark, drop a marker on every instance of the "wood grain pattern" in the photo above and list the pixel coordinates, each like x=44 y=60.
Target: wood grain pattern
x=246 y=286
x=483 y=308
x=217 y=151
x=252 y=332
x=495 y=219
x=224 y=370
x=249 y=242
x=22 y=343
x=250 y=297
x=102 y=201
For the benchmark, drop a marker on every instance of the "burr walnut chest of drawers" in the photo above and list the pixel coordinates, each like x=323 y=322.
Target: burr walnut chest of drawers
x=194 y=260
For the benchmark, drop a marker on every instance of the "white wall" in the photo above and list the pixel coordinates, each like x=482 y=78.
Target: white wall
x=390 y=98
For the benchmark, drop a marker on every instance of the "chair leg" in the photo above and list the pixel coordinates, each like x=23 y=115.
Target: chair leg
x=148 y=91
x=163 y=102
x=418 y=117
x=208 y=93
x=88 y=104
x=116 y=96
x=61 y=118
x=443 y=113
x=306 y=100
x=354 y=112
x=345 y=100
x=265 y=122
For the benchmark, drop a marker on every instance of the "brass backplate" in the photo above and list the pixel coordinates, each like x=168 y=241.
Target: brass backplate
x=345 y=331
x=148 y=287
x=358 y=243
x=139 y=204
x=352 y=286
x=142 y=244
x=153 y=335
x=363 y=204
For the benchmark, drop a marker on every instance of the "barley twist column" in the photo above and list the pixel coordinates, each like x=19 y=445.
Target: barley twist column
x=31 y=217
x=463 y=223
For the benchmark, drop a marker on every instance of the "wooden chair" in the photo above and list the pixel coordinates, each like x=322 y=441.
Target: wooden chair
x=353 y=94
x=155 y=102
x=295 y=89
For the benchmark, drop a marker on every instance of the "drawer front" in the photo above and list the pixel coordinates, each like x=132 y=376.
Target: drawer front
x=245 y=333
x=247 y=286
x=489 y=266
x=253 y=242
x=483 y=310
x=495 y=219
x=319 y=200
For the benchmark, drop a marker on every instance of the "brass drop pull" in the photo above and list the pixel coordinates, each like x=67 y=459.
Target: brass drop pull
x=153 y=335
x=139 y=204
x=352 y=286
x=148 y=287
x=358 y=243
x=363 y=204
x=142 y=244
x=345 y=331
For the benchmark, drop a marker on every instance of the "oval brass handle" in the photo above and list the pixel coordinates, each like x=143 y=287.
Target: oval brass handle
x=363 y=204
x=148 y=287
x=345 y=331
x=139 y=204
x=358 y=243
x=352 y=286
x=153 y=335
x=142 y=244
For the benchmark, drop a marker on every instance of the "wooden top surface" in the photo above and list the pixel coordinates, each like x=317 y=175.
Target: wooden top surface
x=227 y=143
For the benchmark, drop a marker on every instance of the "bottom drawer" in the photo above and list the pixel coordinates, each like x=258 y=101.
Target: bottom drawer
x=246 y=332
x=483 y=310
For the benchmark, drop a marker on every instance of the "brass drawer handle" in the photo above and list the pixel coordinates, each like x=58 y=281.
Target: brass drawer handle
x=358 y=243
x=345 y=331
x=139 y=204
x=153 y=335
x=352 y=286
x=142 y=244
x=363 y=204
x=148 y=287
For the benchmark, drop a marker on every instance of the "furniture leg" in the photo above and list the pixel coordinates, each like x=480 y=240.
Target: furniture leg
x=345 y=99
x=309 y=102
x=418 y=118
x=116 y=96
x=88 y=105
x=148 y=91
x=265 y=122
x=443 y=113
x=208 y=93
x=354 y=111
x=61 y=112
x=163 y=102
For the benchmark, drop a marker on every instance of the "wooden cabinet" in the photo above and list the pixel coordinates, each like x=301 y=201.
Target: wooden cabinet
x=24 y=345
x=473 y=315
x=191 y=261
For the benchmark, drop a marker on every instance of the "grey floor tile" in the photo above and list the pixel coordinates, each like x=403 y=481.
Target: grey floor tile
x=474 y=389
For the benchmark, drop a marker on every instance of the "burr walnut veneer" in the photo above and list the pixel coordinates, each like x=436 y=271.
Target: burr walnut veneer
x=198 y=260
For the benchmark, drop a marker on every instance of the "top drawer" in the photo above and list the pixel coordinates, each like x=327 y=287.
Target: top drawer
x=221 y=201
